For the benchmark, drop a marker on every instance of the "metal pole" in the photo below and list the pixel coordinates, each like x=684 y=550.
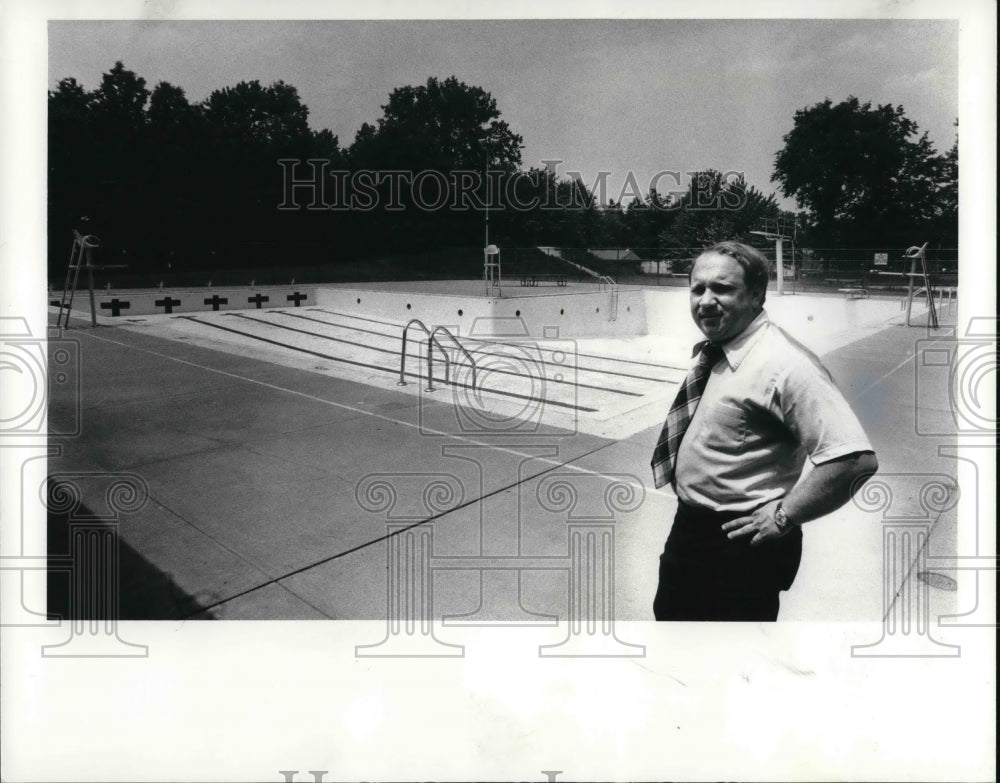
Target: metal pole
x=909 y=288
x=90 y=283
x=795 y=271
x=486 y=255
x=780 y=266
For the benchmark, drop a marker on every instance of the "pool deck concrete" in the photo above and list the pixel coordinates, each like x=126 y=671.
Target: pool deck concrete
x=276 y=492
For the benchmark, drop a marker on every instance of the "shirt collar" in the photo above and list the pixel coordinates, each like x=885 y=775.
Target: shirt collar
x=738 y=347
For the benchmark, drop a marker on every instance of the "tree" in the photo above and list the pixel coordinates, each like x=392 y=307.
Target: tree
x=69 y=131
x=646 y=219
x=947 y=198
x=272 y=116
x=98 y=157
x=716 y=207
x=170 y=184
x=121 y=100
x=68 y=103
x=441 y=125
x=866 y=176
x=247 y=129
x=168 y=108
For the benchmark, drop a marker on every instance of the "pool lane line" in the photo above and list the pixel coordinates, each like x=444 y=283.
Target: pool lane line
x=422 y=428
x=474 y=350
x=539 y=348
x=275 y=580
x=515 y=395
x=479 y=340
x=663 y=494
x=577 y=384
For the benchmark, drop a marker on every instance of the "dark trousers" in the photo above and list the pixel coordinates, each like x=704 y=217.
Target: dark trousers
x=706 y=576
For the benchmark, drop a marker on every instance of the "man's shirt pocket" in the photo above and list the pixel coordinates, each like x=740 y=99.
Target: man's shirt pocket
x=724 y=429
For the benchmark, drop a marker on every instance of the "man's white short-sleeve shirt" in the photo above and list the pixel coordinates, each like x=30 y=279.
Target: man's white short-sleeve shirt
x=769 y=405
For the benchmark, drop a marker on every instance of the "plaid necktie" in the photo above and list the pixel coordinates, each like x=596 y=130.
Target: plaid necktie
x=681 y=412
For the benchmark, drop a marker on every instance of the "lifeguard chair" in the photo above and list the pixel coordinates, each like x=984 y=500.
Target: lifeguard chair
x=491 y=270
x=913 y=253
x=81 y=257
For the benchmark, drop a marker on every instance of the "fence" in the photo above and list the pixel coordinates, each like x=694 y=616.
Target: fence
x=279 y=263
x=807 y=266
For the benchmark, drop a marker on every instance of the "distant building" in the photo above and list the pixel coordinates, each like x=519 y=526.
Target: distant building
x=657 y=267
x=618 y=254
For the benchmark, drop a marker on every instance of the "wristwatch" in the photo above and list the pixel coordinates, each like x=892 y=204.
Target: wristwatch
x=781 y=520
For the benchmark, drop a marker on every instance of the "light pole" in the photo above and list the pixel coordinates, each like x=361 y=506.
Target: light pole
x=486 y=182
x=491 y=253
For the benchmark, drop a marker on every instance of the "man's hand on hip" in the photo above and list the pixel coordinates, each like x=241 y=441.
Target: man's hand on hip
x=827 y=487
x=760 y=524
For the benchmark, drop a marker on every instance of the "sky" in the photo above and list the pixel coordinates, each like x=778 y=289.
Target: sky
x=617 y=96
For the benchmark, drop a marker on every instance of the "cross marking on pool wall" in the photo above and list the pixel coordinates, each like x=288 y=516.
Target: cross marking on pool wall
x=115 y=306
x=215 y=301
x=258 y=299
x=296 y=297
x=167 y=303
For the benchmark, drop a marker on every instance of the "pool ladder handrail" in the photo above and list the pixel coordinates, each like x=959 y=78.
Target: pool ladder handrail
x=430 y=348
x=430 y=357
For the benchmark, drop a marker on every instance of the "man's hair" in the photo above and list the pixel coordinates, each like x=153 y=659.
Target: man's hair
x=753 y=262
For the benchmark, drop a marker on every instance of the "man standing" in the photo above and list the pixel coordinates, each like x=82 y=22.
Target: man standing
x=758 y=441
